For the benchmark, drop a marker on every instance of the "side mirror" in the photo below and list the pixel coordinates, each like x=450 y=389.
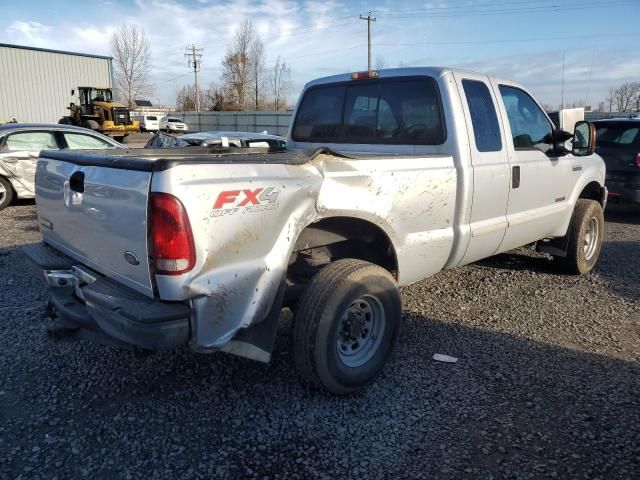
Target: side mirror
x=584 y=139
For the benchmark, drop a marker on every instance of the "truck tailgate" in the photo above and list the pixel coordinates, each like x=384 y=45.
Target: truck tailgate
x=98 y=216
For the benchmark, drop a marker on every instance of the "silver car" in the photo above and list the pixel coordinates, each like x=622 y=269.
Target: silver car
x=21 y=144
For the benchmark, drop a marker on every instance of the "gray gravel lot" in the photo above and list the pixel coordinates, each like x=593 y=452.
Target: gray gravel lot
x=547 y=385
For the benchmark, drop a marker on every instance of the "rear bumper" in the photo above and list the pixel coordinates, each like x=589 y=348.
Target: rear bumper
x=108 y=307
x=629 y=190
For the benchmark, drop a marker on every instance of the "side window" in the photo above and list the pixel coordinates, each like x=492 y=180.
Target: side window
x=529 y=125
x=31 y=141
x=78 y=141
x=320 y=114
x=486 y=129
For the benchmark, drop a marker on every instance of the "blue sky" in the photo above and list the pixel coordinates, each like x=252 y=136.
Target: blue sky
x=523 y=40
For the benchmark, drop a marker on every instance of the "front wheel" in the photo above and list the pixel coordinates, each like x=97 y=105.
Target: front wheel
x=586 y=232
x=346 y=325
x=6 y=193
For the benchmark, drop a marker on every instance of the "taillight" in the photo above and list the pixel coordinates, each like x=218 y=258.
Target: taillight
x=638 y=160
x=364 y=75
x=171 y=235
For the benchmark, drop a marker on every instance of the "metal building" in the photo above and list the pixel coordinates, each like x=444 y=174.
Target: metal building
x=36 y=83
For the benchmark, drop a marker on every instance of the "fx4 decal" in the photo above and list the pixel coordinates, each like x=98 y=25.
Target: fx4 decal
x=229 y=202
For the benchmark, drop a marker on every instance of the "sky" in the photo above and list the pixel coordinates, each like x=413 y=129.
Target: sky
x=521 y=40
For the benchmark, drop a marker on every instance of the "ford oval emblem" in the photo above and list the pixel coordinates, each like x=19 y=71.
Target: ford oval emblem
x=131 y=258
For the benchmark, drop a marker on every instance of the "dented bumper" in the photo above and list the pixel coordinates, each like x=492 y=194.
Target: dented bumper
x=84 y=300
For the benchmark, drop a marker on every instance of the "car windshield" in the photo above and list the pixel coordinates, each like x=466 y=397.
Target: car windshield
x=618 y=134
x=175 y=120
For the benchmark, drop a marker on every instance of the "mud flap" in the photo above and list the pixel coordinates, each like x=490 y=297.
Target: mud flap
x=556 y=247
x=256 y=342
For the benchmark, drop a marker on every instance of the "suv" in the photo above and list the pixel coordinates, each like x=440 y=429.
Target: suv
x=618 y=143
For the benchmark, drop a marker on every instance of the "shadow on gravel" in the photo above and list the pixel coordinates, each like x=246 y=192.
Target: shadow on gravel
x=509 y=407
x=521 y=259
x=619 y=264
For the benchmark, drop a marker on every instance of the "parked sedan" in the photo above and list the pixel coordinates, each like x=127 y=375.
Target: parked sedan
x=618 y=143
x=20 y=145
x=173 y=124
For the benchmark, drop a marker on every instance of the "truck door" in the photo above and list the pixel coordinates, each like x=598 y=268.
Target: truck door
x=491 y=175
x=540 y=181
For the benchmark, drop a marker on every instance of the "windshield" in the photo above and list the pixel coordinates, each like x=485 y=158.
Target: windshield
x=175 y=120
x=101 y=95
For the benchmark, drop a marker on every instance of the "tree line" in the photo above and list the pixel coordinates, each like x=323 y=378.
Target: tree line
x=246 y=83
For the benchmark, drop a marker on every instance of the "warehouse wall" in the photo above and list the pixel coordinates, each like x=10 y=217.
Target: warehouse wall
x=275 y=123
x=35 y=85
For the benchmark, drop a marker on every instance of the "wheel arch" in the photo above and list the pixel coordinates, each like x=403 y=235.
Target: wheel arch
x=344 y=235
x=593 y=190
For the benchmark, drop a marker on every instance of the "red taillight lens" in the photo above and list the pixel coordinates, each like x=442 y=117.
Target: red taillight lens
x=638 y=160
x=171 y=236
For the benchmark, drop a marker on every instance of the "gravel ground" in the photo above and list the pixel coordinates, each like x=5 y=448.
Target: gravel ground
x=547 y=385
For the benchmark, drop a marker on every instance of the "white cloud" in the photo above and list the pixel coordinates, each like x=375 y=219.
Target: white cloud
x=32 y=33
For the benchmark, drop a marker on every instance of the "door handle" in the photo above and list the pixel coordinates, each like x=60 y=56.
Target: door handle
x=515 y=177
x=76 y=182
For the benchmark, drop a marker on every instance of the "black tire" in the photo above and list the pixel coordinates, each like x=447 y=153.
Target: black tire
x=6 y=193
x=319 y=328
x=582 y=255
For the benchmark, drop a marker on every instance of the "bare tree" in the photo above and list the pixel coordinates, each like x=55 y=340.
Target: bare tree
x=132 y=62
x=280 y=83
x=610 y=100
x=602 y=107
x=186 y=98
x=624 y=96
x=215 y=99
x=256 y=54
x=380 y=62
x=237 y=64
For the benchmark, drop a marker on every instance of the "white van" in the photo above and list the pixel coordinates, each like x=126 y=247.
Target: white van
x=148 y=123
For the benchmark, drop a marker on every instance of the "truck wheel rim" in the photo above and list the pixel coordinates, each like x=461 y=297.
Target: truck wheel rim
x=591 y=239
x=360 y=331
x=3 y=193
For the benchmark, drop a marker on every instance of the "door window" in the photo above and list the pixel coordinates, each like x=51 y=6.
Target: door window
x=78 y=141
x=530 y=127
x=31 y=141
x=486 y=129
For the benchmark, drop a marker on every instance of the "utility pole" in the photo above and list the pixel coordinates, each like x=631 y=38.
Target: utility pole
x=369 y=19
x=193 y=56
x=562 y=104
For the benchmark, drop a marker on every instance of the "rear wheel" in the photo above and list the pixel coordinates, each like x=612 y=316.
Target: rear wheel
x=346 y=325
x=6 y=193
x=586 y=232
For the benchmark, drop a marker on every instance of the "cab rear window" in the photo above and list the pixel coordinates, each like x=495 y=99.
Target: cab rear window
x=383 y=111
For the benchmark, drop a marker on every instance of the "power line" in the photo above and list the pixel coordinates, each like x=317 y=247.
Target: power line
x=493 y=10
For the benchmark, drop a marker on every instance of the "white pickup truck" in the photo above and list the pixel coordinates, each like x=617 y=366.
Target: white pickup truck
x=392 y=176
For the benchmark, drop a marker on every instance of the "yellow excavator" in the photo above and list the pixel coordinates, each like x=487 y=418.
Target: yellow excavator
x=99 y=112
